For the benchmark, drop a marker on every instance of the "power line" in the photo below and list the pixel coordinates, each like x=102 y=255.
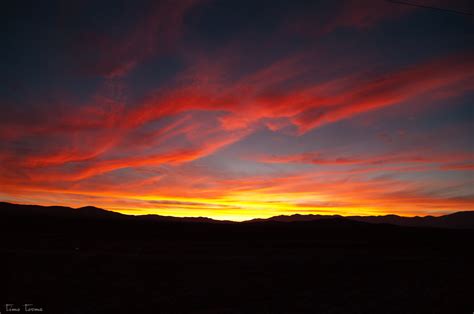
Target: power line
x=430 y=7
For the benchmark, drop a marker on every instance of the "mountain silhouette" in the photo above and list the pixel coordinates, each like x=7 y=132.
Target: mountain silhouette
x=16 y=210
x=89 y=212
x=458 y=220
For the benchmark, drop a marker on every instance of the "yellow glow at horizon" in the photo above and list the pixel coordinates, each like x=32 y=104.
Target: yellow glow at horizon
x=242 y=205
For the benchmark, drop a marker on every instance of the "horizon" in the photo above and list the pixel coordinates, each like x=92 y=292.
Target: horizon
x=218 y=110
x=231 y=220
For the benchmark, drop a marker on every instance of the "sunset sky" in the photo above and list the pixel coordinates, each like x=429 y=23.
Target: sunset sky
x=238 y=109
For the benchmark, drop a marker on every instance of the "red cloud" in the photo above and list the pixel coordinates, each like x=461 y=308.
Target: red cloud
x=361 y=14
x=385 y=159
x=264 y=94
x=366 y=13
x=390 y=89
x=256 y=97
x=253 y=98
x=461 y=167
x=114 y=55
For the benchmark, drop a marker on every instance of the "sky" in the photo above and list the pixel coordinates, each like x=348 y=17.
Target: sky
x=238 y=109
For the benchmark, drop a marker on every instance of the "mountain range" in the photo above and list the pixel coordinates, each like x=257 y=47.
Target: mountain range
x=458 y=220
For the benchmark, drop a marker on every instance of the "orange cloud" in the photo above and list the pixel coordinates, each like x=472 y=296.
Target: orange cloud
x=262 y=196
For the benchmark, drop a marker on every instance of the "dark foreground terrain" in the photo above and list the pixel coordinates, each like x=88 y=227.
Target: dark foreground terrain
x=106 y=263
